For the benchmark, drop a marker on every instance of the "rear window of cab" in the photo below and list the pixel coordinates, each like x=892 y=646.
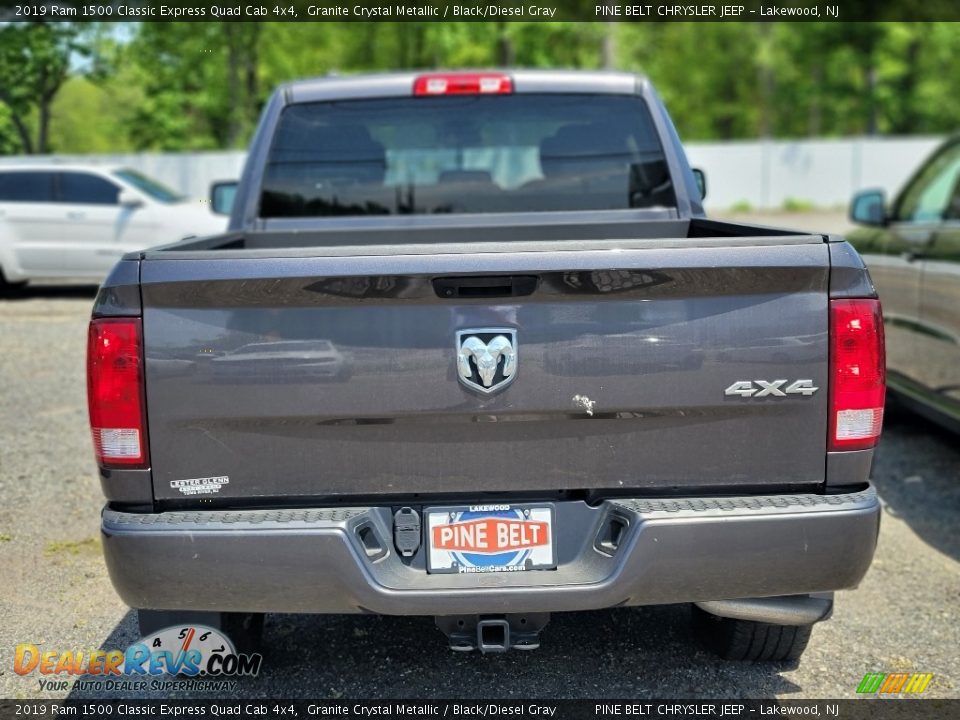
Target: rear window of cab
x=465 y=154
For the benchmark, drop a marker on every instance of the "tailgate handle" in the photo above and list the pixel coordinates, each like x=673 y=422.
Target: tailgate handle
x=485 y=286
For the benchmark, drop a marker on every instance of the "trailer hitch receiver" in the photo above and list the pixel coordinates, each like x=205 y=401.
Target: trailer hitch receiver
x=493 y=633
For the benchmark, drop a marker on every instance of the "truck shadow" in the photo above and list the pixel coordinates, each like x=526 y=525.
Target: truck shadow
x=628 y=652
x=52 y=292
x=917 y=473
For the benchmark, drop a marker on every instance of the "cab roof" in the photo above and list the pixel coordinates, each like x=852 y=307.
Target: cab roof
x=400 y=84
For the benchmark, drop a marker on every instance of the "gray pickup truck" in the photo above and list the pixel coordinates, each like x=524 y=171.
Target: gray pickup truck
x=470 y=349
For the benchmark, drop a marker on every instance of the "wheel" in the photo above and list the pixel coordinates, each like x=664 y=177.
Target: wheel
x=7 y=287
x=751 y=641
x=245 y=630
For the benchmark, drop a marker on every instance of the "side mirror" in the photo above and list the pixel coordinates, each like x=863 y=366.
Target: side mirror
x=129 y=199
x=221 y=197
x=701 y=177
x=868 y=208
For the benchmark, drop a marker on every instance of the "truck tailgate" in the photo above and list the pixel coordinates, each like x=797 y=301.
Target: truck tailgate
x=336 y=374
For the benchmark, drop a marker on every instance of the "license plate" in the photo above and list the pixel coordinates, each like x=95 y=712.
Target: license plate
x=490 y=538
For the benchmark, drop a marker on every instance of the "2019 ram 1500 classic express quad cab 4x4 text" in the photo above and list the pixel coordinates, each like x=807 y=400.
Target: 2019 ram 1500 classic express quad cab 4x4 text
x=471 y=349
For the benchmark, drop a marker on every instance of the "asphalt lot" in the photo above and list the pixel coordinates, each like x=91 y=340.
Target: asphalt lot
x=54 y=590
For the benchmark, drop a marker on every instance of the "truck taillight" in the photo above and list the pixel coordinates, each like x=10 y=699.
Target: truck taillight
x=115 y=392
x=463 y=84
x=857 y=373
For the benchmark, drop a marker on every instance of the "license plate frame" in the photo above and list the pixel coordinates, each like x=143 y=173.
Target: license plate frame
x=527 y=529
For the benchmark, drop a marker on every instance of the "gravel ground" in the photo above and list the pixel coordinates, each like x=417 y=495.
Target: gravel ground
x=55 y=591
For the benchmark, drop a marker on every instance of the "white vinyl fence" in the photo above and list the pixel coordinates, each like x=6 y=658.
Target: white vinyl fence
x=758 y=174
x=824 y=173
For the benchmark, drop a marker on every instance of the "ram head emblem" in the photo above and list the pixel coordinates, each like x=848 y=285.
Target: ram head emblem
x=486 y=358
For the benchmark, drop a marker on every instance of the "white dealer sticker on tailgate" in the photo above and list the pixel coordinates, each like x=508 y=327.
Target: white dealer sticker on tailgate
x=200 y=486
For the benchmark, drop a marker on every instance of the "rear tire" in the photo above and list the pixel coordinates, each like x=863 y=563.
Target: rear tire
x=7 y=287
x=244 y=629
x=750 y=641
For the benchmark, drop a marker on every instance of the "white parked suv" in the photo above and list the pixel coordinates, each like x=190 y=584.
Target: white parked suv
x=72 y=221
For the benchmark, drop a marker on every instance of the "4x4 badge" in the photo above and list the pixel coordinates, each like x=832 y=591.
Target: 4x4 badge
x=486 y=358
x=771 y=388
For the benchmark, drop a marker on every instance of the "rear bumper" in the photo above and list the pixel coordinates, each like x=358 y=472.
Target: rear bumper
x=682 y=550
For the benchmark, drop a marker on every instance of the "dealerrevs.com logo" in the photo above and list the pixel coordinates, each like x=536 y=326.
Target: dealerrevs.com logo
x=201 y=657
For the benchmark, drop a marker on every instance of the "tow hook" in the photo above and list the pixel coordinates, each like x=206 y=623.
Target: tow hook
x=493 y=633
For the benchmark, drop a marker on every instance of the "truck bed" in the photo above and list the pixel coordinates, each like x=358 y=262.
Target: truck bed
x=523 y=232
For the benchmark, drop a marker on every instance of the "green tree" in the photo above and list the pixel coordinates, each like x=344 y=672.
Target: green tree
x=34 y=64
x=200 y=82
x=90 y=116
x=196 y=86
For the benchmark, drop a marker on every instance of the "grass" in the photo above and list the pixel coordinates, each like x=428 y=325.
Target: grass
x=72 y=547
x=792 y=204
